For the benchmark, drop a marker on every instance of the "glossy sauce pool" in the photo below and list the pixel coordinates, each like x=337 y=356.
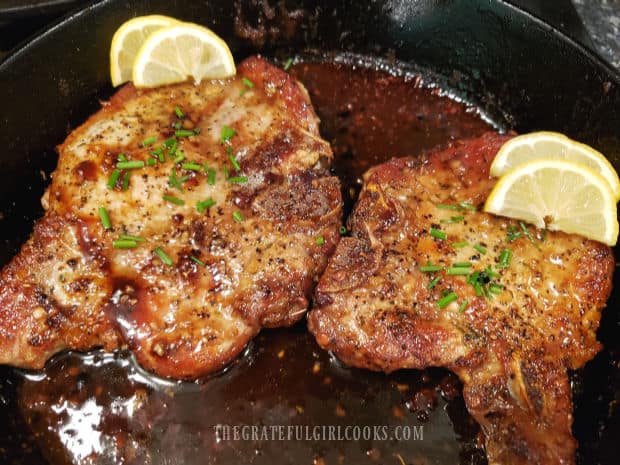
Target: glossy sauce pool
x=100 y=408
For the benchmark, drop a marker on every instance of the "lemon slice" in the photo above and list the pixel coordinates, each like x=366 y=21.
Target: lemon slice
x=128 y=39
x=559 y=195
x=177 y=53
x=556 y=146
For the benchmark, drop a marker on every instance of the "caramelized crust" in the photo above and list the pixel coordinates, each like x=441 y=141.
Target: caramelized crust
x=376 y=309
x=69 y=288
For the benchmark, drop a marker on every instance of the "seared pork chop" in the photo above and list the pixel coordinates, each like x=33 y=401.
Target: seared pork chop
x=222 y=214
x=428 y=280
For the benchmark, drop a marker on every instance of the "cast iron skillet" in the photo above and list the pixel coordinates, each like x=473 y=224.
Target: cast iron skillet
x=524 y=73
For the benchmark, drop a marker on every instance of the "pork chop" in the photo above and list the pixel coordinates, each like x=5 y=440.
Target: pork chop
x=221 y=216
x=427 y=279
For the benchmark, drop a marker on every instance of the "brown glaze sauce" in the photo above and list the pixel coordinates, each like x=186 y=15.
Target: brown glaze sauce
x=101 y=409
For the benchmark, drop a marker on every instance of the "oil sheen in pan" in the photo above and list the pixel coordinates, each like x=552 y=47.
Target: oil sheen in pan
x=100 y=408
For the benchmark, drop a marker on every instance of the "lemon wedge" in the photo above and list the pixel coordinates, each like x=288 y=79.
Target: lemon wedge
x=558 y=195
x=179 y=52
x=128 y=39
x=555 y=146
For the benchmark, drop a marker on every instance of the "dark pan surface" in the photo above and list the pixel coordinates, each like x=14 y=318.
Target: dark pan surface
x=521 y=72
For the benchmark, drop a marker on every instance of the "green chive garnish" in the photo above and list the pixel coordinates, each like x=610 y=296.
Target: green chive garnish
x=151 y=162
x=437 y=234
x=184 y=133
x=463 y=306
x=434 y=282
x=168 y=143
x=238 y=217
x=512 y=234
x=124 y=244
x=126 y=180
x=130 y=165
x=176 y=182
x=179 y=158
x=343 y=230
x=191 y=166
x=122 y=157
x=457 y=271
x=430 y=268
x=163 y=256
x=196 y=131
x=504 y=258
x=225 y=170
x=234 y=162
x=149 y=141
x=114 y=179
x=204 y=205
x=462 y=265
x=247 y=83
x=127 y=237
x=480 y=249
x=179 y=113
x=448 y=207
x=288 y=64
x=460 y=245
x=319 y=240
x=174 y=200
x=177 y=125
x=238 y=179
x=447 y=300
x=467 y=206
x=496 y=288
x=453 y=219
x=105 y=218
x=211 y=177
x=197 y=260
x=227 y=133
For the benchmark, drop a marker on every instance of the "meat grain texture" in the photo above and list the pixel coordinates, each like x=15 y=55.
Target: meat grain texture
x=248 y=261
x=510 y=338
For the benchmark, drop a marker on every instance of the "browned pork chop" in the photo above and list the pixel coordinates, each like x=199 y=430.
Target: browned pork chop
x=509 y=324
x=231 y=213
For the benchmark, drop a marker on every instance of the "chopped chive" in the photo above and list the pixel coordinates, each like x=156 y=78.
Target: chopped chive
x=163 y=256
x=343 y=230
x=430 y=268
x=234 y=162
x=490 y=273
x=170 y=142
x=174 y=181
x=179 y=113
x=544 y=235
x=204 y=205
x=126 y=181
x=225 y=170
x=478 y=289
x=172 y=150
x=122 y=157
x=160 y=157
x=151 y=162
x=183 y=133
x=460 y=245
x=105 y=218
x=238 y=217
x=179 y=158
x=174 y=200
x=114 y=179
x=457 y=271
x=157 y=152
x=462 y=265
x=480 y=249
x=227 y=133
x=434 y=282
x=512 y=234
x=447 y=300
x=496 y=288
x=183 y=179
x=453 y=219
x=437 y=234
x=127 y=237
x=196 y=131
x=288 y=64
x=191 y=166
x=211 y=177
x=528 y=234
x=130 y=165
x=238 y=179
x=247 y=83
x=177 y=125
x=463 y=306
x=504 y=258
x=197 y=260
x=467 y=206
x=124 y=244
x=486 y=292
x=320 y=240
x=149 y=141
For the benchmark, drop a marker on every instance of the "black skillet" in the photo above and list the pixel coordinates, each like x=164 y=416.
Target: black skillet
x=523 y=73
